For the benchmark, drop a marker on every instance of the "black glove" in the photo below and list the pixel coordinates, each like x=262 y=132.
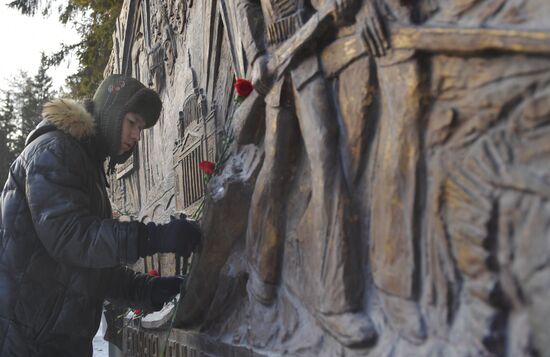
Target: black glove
x=163 y=289
x=179 y=236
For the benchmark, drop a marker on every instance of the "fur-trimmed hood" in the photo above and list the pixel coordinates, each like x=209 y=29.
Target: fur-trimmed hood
x=70 y=117
x=102 y=117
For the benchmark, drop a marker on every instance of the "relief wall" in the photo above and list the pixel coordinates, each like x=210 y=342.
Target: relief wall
x=383 y=191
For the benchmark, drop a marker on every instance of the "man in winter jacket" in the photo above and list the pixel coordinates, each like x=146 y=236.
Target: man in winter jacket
x=61 y=253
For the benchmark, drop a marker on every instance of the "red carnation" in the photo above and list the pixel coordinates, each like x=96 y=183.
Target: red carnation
x=207 y=167
x=243 y=87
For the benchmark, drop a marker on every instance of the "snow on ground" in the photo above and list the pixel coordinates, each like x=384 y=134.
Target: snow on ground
x=101 y=347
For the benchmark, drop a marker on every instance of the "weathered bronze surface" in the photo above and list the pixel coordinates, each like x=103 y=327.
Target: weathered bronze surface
x=388 y=184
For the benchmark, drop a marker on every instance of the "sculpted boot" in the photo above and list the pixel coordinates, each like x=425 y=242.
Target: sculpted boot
x=352 y=329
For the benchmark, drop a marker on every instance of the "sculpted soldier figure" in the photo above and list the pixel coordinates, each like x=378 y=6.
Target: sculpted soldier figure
x=157 y=53
x=394 y=234
x=298 y=102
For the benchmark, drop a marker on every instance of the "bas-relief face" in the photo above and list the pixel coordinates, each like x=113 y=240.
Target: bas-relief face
x=132 y=125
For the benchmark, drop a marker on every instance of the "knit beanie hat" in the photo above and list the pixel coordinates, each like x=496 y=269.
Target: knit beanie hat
x=116 y=96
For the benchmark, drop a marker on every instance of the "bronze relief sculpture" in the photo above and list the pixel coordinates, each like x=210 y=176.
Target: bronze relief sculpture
x=387 y=188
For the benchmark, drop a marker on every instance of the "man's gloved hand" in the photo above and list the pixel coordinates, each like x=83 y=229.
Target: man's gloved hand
x=163 y=289
x=178 y=236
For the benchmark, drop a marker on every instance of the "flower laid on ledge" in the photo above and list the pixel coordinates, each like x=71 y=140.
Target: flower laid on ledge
x=243 y=87
x=153 y=272
x=207 y=167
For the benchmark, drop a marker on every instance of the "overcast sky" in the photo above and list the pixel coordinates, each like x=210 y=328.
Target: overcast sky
x=22 y=38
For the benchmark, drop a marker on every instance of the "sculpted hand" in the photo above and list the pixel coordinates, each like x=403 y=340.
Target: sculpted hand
x=371 y=30
x=261 y=78
x=344 y=10
x=179 y=236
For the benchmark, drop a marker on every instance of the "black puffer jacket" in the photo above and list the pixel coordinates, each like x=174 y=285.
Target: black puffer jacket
x=60 y=253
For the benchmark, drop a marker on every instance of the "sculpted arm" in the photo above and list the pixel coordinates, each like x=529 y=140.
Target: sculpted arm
x=251 y=28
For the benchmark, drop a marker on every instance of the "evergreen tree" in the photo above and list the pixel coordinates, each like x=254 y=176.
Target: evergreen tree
x=27 y=105
x=31 y=94
x=19 y=93
x=7 y=135
x=95 y=21
x=22 y=107
x=42 y=83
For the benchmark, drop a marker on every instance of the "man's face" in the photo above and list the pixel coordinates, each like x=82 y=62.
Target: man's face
x=132 y=125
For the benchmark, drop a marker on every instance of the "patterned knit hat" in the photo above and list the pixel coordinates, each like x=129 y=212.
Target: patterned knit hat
x=116 y=96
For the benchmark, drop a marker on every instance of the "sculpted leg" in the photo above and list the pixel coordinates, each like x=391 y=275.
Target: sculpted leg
x=333 y=237
x=265 y=233
x=393 y=261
